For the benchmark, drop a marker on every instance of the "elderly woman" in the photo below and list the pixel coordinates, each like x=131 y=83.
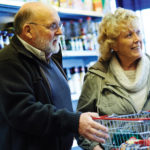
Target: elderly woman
x=119 y=82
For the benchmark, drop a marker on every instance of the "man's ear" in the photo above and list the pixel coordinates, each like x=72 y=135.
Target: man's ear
x=27 y=31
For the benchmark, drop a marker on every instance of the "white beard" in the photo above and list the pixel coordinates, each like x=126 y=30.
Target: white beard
x=54 y=48
x=51 y=47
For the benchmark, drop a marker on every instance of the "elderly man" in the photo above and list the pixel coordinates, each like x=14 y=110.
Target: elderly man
x=35 y=102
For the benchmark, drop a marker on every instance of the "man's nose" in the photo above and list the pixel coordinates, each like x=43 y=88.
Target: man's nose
x=59 y=31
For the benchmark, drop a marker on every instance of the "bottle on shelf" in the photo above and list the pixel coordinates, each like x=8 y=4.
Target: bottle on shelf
x=75 y=76
x=86 y=69
x=88 y=5
x=76 y=79
x=73 y=44
x=5 y=38
x=82 y=74
x=78 y=44
x=82 y=35
x=97 y=6
x=92 y=34
x=70 y=80
x=72 y=29
x=89 y=27
x=68 y=44
x=1 y=40
x=77 y=4
x=81 y=27
x=62 y=38
x=63 y=3
x=55 y=2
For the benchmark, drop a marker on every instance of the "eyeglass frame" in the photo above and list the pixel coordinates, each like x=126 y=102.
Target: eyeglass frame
x=52 y=27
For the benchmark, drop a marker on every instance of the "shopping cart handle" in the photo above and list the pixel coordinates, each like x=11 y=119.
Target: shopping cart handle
x=100 y=117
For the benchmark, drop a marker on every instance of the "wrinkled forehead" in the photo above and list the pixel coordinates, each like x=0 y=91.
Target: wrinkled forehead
x=46 y=15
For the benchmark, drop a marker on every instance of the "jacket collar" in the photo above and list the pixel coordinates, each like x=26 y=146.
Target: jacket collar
x=20 y=48
x=109 y=81
x=102 y=69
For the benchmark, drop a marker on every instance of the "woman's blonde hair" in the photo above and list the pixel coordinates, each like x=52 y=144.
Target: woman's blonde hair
x=110 y=28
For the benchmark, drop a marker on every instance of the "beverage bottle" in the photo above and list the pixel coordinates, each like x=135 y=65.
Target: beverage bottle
x=76 y=79
x=68 y=44
x=80 y=44
x=85 y=69
x=1 y=40
x=89 y=33
x=82 y=74
x=72 y=29
x=82 y=36
x=70 y=80
x=73 y=44
x=5 y=38
x=62 y=38
x=81 y=27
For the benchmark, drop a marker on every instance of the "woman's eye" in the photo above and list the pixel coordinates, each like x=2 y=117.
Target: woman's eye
x=129 y=34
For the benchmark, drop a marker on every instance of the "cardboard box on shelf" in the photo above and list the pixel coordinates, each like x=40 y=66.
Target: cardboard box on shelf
x=97 y=5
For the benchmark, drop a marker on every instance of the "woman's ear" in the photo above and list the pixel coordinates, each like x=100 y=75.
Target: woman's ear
x=27 y=31
x=114 y=47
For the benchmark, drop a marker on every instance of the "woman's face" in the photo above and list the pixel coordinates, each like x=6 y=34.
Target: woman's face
x=129 y=44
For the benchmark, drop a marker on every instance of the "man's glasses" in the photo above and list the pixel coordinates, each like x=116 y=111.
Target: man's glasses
x=53 y=27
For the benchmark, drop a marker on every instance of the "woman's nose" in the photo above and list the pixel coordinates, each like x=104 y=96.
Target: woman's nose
x=137 y=37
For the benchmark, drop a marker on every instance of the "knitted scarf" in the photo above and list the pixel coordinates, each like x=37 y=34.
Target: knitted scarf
x=141 y=77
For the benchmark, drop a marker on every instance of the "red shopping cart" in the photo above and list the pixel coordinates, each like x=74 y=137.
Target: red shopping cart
x=127 y=132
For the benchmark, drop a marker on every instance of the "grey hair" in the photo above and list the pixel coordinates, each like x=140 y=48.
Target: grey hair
x=21 y=18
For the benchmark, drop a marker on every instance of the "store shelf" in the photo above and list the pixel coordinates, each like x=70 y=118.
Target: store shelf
x=69 y=11
x=65 y=13
x=12 y=3
x=10 y=6
x=79 y=53
x=76 y=14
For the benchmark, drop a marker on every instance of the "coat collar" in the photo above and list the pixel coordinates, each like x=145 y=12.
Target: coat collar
x=19 y=47
x=109 y=81
x=57 y=58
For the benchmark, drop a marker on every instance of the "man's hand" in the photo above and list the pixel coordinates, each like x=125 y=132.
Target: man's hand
x=90 y=129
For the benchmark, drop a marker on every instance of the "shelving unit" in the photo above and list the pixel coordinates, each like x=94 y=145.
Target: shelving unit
x=78 y=58
x=9 y=7
x=79 y=53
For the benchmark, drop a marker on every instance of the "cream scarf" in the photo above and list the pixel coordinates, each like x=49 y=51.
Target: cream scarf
x=141 y=77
